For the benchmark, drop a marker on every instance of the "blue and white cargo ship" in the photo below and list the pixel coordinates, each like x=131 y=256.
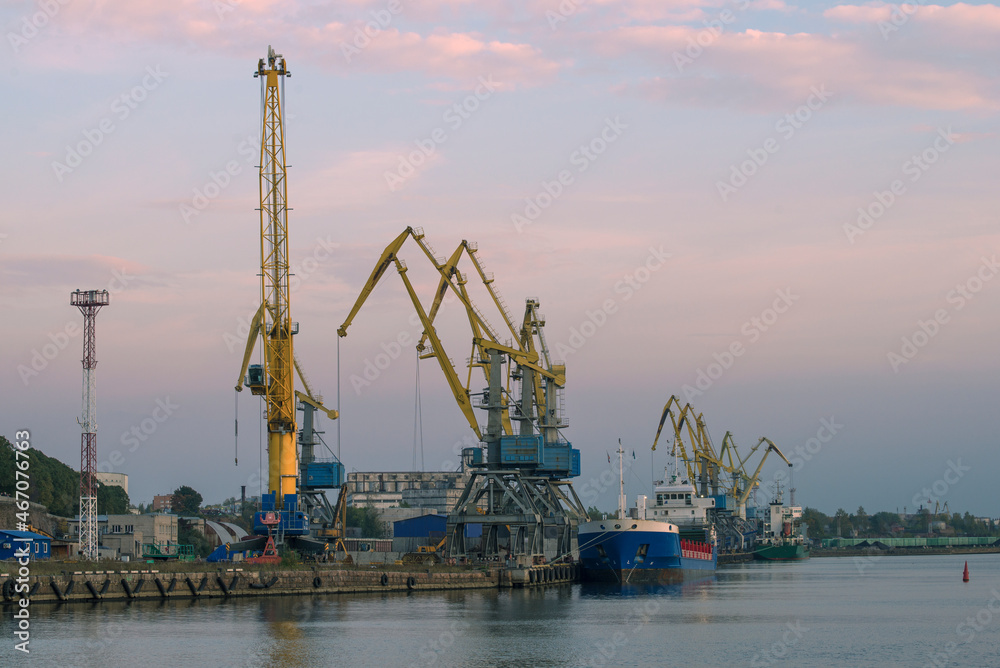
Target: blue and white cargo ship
x=634 y=549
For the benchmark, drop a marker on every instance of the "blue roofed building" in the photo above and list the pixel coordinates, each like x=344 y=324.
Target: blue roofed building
x=12 y=544
x=409 y=534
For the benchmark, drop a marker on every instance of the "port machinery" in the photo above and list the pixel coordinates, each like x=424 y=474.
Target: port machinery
x=518 y=489
x=720 y=473
x=294 y=510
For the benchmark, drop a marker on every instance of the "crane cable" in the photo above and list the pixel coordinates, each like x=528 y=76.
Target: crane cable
x=236 y=397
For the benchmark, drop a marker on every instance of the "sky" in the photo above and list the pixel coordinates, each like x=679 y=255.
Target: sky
x=784 y=213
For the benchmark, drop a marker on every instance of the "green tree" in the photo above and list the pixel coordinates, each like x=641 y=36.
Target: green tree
x=881 y=523
x=596 y=513
x=186 y=501
x=860 y=520
x=817 y=522
x=111 y=500
x=188 y=535
x=368 y=520
x=55 y=485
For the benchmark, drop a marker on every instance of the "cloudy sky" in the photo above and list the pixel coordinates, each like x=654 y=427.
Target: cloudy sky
x=784 y=212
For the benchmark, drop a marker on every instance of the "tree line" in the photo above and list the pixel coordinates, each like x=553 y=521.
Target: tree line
x=887 y=524
x=56 y=485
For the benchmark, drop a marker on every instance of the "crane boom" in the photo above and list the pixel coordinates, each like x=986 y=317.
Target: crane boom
x=461 y=394
x=771 y=447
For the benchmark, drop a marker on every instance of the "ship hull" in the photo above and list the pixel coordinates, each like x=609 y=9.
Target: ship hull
x=781 y=553
x=642 y=552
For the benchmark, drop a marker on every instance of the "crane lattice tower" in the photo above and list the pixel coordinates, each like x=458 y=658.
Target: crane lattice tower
x=89 y=302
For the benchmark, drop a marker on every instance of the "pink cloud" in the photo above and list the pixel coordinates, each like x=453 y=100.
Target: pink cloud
x=767 y=70
x=244 y=29
x=974 y=18
x=858 y=13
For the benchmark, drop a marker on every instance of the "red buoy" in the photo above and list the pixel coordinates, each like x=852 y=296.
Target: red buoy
x=965 y=573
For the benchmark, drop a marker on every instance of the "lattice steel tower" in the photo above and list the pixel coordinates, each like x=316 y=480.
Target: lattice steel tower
x=89 y=302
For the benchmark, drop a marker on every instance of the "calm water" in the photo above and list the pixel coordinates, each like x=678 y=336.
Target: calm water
x=900 y=611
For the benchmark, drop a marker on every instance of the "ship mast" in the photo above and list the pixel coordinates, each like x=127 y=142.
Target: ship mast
x=621 y=482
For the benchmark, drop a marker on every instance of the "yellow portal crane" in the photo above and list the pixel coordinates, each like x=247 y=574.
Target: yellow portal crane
x=517 y=488
x=679 y=420
x=295 y=494
x=274 y=378
x=484 y=335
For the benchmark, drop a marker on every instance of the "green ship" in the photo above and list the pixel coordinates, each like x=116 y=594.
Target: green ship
x=782 y=552
x=782 y=539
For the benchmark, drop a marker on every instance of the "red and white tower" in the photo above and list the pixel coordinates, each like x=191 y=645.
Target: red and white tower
x=89 y=302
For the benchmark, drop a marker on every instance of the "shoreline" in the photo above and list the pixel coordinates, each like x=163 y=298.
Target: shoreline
x=223 y=583
x=901 y=551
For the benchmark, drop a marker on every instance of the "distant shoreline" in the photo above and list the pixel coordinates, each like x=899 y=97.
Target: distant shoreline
x=902 y=551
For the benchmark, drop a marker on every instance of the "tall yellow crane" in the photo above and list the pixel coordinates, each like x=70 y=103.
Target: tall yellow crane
x=273 y=379
x=293 y=496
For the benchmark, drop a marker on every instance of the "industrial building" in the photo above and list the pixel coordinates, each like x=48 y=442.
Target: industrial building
x=410 y=535
x=12 y=544
x=163 y=503
x=437 y=490
x=125 y=535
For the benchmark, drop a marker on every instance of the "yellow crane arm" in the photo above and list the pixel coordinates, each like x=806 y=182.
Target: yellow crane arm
x=771 y=447
x=672 y=401
x=318 y=405
x=728 y=451
x=679 y=421
x=388 y=256
x=448 y=269
x=309 y=396
x=255 y=325
x=487 y=280
x=461 y=394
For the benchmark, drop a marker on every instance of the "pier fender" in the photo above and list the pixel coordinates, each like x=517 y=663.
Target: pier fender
x=385 y=579
x=55 y=587
x=128 y=590
x=317 y=582
x=222 y=585
x=411 y=582
x=159 y=585
x=93 y=590
x=264 y=585
x=8 y=589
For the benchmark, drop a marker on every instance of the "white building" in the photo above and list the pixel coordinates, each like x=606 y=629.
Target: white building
x=117 y=479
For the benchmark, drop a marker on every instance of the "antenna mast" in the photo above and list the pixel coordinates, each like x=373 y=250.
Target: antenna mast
x=89 y=302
